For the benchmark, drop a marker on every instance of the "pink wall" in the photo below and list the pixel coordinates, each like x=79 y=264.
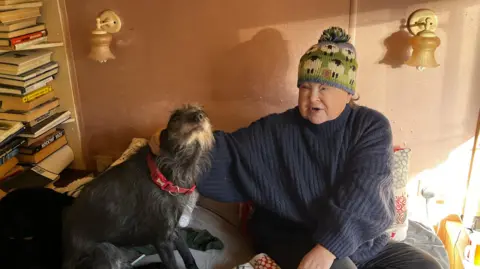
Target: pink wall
x=239 y=59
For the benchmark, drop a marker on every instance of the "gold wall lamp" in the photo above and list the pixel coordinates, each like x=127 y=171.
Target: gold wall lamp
x=422 y=25
x=108 y=23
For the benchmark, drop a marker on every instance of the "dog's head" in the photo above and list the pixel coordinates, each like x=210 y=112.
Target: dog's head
x=188 y=128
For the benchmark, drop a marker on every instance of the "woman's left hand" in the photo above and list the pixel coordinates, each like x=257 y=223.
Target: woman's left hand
x=318 y=258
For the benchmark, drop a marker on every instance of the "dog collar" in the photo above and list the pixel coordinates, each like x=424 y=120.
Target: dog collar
x=161 y=181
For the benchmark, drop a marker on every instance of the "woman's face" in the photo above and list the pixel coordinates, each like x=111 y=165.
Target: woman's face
x=320 y=103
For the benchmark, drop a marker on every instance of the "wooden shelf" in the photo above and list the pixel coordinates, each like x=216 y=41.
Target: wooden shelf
x=54 y=16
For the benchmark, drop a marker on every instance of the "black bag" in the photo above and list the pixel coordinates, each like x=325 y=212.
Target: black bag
x=31 y=228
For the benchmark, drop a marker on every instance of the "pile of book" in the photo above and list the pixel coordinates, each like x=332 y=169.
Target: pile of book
x=29 y=111
x=19 y=28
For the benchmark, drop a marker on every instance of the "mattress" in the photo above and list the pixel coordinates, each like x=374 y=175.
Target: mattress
x=237 y=250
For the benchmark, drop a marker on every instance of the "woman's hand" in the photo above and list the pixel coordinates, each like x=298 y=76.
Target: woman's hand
x=154 y=143
x=318 y=258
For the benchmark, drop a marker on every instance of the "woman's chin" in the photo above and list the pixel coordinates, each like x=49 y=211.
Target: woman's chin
x=317 y=119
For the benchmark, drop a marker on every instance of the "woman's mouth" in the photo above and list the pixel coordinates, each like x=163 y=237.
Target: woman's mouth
x=315 y=109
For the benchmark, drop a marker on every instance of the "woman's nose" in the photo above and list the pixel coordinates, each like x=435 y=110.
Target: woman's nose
x=314 y=95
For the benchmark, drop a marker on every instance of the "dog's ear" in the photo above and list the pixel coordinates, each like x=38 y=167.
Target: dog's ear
x=163 y=137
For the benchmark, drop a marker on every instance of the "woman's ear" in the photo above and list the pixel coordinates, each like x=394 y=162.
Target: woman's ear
x=349 y=98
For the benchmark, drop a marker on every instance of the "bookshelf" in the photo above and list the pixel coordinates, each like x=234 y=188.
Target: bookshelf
x=26 y=80
x=40 y=126
x=54 y=15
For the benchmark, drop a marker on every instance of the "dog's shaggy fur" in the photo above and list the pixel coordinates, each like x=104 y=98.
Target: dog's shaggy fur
x=123 y=207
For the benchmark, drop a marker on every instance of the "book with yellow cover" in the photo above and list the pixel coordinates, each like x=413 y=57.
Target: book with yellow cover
x=17 y=102
x=35 y=94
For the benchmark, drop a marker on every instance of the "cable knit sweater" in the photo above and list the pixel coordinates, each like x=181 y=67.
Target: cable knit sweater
x=332 y=180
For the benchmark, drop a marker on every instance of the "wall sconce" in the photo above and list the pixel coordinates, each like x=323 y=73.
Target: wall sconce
x=108 y=23
x=422 y=24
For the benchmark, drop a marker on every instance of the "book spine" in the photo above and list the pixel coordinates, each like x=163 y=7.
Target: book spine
x=34 y=95
x=24 y=38
x=48 y=141
x=37 y=85
x=41 y=118
x=39 y=170
x=30 y=42
x=9 y=139
x=12 y=153
x=14 y=145
x=8 y=133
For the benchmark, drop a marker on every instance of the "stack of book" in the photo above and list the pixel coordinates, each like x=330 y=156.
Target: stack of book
x=28 y=104
x=9 y=148
x=19 y=28
x=33 y=149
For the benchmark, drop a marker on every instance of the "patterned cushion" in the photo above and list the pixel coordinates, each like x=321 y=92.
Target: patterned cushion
x=401 y=162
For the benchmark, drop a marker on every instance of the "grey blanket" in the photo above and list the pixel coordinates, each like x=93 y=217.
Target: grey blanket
x=237 y=251
x=423 y=237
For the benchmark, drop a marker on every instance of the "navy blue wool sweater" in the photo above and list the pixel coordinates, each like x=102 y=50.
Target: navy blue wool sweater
x=330 y=182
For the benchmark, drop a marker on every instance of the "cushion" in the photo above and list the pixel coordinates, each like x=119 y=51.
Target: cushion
x=401 y=162
x=74 y=188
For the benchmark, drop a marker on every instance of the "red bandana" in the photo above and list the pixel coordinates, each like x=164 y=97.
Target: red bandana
x=162 y=182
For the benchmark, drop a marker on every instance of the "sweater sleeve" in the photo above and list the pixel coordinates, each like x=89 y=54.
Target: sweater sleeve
x=362 y=208
x=233 y=156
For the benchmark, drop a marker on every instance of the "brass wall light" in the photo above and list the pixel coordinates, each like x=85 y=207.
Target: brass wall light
x=108 y=23
x=422 y=24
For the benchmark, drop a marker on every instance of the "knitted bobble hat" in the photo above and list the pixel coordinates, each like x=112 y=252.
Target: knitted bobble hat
x=332 y=61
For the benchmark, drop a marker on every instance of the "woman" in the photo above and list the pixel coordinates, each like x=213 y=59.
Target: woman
x=319 y=175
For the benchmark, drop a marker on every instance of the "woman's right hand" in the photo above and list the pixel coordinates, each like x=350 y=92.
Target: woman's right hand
x=154 y=143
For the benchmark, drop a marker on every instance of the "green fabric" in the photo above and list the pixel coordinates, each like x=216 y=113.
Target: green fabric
x=332 y=61
x=196 y=239
x=201 y=239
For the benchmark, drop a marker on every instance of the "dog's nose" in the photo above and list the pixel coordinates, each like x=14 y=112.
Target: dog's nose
x=199 y=117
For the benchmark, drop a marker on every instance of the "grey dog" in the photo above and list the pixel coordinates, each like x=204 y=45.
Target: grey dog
x=125 y=207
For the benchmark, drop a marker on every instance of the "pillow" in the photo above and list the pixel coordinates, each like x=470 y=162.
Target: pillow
x=401 y=162
x=74 y=188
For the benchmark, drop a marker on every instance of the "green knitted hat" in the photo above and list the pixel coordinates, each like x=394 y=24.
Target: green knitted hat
x=332 y=61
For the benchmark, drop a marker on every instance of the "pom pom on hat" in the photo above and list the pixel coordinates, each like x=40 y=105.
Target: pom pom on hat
x=334 y=34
